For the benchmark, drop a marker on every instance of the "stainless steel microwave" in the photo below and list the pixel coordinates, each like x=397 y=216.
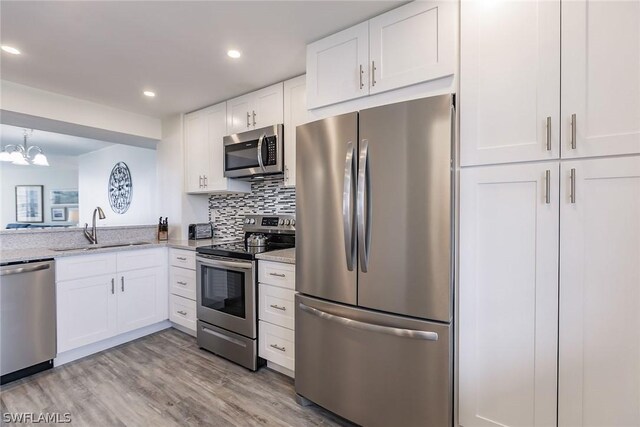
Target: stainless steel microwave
x=255 y=154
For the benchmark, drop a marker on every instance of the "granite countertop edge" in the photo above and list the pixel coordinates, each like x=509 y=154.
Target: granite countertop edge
x=32 y=254
x=287 y=256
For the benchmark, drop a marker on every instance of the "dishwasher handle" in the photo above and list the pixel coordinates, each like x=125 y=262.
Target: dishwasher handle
x=21 y=270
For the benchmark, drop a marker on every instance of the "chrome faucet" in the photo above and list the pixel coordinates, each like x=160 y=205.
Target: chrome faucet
x=93 y=236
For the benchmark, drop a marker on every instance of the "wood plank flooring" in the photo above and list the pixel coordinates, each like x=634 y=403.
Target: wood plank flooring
x=163 y=379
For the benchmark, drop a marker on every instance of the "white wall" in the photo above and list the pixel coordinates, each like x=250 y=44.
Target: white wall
x=94 y=171
x=36 y=102
x=61 y=175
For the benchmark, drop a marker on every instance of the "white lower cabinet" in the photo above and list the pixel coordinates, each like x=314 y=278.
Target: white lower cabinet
x=276 y=295
x=508 y=303
x=94 y=308
x=599 y=382
x=182 y=286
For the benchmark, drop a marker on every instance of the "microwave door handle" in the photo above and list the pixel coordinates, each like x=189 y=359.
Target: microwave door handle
x=260 y=162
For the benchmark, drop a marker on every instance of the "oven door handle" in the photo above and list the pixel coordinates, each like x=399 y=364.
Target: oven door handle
x=224 y=263
x=260 y=142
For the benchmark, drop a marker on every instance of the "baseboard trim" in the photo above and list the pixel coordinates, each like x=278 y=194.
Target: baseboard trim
x=87 y=350
x=187 y=331
x=281 y=369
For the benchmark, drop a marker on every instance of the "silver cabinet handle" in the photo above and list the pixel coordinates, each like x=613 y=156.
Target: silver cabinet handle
x=199 y=181
x=361 y=75
x=122 y=283
x=248 y=117
x=364 y=210
x=547 y=183
x=205 y=181
x=278 y=307
x=254 y=117
x=370 y=327
x=373 y=73
x=549 y=133
x=277 y=274
x=181 y=258
x=184 y=313
x=113 y=286
x=347 y=204
x=181 y=283
x=277 y=347
x=572 y=194
x=260 y=142
x=574 y=141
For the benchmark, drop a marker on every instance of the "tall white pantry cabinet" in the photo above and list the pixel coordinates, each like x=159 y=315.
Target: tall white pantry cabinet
x=549 y=290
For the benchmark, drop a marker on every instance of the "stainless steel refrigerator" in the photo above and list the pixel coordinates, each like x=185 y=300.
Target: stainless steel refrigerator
x=374 y=263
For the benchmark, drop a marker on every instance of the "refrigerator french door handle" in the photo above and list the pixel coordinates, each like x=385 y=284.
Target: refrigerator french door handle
x=347 y=199
x=364 y=210
x=370 y=327
x=260 y=162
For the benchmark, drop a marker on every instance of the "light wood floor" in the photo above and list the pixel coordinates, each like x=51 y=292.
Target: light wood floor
x=162 y=380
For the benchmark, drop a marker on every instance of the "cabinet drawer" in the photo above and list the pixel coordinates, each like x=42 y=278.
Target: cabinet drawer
x=277 y=274
x=182 y=258
x=276 y=344
x=276 y=305
x=78 y=267
x=182 y=281
x=138 y=259
x=183 y=312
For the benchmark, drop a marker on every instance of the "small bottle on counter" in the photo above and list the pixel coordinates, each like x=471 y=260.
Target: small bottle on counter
x=163 y=229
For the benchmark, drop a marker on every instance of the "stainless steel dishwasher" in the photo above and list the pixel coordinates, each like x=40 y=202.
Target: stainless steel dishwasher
x=27 y=318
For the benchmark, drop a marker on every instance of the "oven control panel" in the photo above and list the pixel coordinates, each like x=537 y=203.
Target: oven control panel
x=266 y=222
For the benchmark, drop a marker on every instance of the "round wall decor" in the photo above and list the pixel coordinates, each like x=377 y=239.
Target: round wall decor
x=120 y=188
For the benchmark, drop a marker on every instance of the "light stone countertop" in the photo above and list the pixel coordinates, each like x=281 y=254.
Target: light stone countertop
x=30 y=254
x=287 y=256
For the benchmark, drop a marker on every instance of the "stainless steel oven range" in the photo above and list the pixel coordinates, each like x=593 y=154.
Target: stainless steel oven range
x=227 y=287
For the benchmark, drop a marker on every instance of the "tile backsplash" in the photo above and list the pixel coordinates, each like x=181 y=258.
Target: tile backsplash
x=226 y=211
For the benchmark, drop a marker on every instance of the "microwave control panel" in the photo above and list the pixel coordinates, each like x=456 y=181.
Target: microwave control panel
x=271 y=157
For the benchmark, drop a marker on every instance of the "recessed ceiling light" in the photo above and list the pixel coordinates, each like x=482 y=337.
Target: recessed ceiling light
x=11 y=50
x=234 y=53
x=149 y=93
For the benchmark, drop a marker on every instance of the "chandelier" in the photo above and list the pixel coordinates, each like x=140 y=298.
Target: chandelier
x=22 y=154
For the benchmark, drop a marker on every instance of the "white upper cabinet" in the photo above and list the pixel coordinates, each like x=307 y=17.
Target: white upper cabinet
x=204 y=152
x=509 y=81
x=412 y=44
x=337 y=67
x=508 y=324
x=600 y=78
x=599 y=382
x=256 y=110
x=295 y=114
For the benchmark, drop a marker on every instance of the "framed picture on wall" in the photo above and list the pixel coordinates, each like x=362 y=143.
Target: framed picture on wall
x=58 y=214
x=64 y=197
x=29 y=203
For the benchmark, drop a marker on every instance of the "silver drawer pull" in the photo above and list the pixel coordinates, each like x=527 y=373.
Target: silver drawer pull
x=278 y=307
x=181 y=258
x=277 y=274
x=184 y=313
x=181 y=283
x=277 y=347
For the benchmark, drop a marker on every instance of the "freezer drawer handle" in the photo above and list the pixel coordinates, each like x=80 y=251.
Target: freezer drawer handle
x=398 y=332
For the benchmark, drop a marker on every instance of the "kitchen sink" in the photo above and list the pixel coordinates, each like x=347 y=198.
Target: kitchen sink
x=94 y=247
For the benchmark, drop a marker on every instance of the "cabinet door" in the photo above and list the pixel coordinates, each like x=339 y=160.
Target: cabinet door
x=337 y=67
x=239 y=114
x=86 y=311
x=267 y=108
x=599 y=381
x=137 y=298
x=196 y=152
x=508 y=300
x=217 y=129
x=295 y=114
x=509 y=81
x=600 y=77
x=412 y=44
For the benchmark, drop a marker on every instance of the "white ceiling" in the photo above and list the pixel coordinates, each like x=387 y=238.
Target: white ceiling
x=51 y=143
x=109 y=52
